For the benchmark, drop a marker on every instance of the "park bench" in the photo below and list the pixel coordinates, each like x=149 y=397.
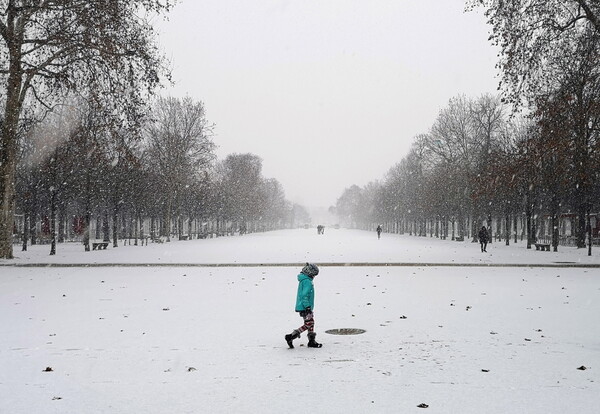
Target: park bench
x=542 y=246
x=459 y=238
x=99 y=246
x=184 y=237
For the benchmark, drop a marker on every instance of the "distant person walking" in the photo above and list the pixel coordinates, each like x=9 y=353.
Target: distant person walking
x=305 y=303
x=483 y=238
x=379 y=230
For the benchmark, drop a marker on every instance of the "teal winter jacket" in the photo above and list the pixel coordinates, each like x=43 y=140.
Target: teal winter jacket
x=306 y=293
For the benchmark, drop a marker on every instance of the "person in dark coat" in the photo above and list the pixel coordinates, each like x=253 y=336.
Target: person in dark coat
x=379 y=230
x=483 y=238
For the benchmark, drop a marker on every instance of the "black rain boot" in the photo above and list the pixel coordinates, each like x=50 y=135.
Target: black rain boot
x=311 y=341
x=290 y=337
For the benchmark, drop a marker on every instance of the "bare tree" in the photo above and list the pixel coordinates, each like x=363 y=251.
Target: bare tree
x=180 y=148
x=240 y=184
x=488 y=117
x=49 y=49
x=274 y=205
x=454 y=138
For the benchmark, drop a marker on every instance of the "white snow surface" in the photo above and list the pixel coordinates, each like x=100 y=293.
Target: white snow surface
x=209 y=339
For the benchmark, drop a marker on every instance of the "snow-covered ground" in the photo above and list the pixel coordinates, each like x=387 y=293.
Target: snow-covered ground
x=177 y=339
x=296 y=246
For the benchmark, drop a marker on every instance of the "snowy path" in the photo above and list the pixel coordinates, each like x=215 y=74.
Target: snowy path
x=210 y=339
x=297 y=246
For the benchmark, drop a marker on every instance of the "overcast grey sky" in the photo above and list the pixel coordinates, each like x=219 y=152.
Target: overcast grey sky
x=329 y=93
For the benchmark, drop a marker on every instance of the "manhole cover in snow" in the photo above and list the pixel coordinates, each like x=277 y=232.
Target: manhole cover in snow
x=345 y=331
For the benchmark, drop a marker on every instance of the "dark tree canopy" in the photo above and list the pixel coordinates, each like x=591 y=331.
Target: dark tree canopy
x=530 y=32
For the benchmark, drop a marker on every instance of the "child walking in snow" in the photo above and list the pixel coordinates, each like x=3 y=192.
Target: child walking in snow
x=305 y=303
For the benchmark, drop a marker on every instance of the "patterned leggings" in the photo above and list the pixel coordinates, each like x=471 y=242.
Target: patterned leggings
x=309 y=322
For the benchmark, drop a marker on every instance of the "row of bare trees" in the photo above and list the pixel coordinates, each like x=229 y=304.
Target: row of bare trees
x=103 y=51
x=86 y=145
x=478 y=166
x=532 y=156
x=77 y=175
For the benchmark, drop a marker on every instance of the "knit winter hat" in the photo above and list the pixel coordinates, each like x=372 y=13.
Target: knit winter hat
x=310 y=270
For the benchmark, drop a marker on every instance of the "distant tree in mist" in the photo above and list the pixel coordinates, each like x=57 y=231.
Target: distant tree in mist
x=355 y=206
x=245 y=196
x=298 y=215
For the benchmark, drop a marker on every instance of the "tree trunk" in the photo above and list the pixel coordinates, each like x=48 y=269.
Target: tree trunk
x=8 y=154
x=515 y=228
x=61 y=224
x=88 y=213
x=25 y=230
x=105 y=228
x=581 y=227
x=53 y=196
x=534 y=225
x=554 y=205
x=445 y=227
x=86 y=231
x=581 y=195
x=528 y=217
x=115 y=225
x=135 y=230
x=168 y=219
x=507 y=218
x=554 y=224
x=52 y=222
x=589 y=232
x=33 y=219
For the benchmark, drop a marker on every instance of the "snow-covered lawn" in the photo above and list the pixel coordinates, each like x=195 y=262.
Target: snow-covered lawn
x=210 y=339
